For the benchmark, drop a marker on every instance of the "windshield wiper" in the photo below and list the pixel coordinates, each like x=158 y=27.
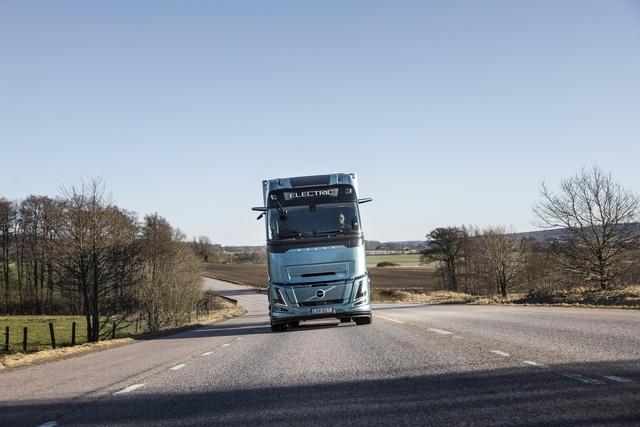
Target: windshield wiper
x=289 y=235
x=327 y=233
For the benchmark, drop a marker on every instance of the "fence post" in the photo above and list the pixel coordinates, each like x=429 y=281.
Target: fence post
x=73 y=334
x=6 y=339
x=24 y=339
x=113 y=332
x=52 y=335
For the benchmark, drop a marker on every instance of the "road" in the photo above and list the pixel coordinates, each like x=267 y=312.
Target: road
x=415 y=365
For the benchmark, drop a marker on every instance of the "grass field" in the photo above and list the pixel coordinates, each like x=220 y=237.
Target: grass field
x=404 y=260
x=381 y=277
x=38 y=337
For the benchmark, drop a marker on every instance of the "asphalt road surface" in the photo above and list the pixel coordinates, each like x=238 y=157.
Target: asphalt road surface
x=415 y=365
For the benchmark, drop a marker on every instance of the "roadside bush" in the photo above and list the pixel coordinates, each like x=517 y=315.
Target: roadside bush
x=628 y=296
x=170 y=289
x=387 y=264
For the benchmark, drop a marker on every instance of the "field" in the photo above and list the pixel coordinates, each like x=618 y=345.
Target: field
x=381 y=277
x=38 y=337
x=38 y=331
x=404 y=260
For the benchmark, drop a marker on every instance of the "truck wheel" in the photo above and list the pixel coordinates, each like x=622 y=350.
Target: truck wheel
x=345 y=319
x=363 y=320
x=278 y=327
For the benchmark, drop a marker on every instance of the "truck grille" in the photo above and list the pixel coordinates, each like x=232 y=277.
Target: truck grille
x=316 y=303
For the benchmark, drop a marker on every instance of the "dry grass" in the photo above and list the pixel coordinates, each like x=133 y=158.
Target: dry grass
x=623 y=297
x=225 y=310
x=413 y=295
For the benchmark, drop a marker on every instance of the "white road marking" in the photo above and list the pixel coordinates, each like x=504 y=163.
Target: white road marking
x=500 y=353
x=214 y=329
x=618 y=379
x=225 y=345
x=532 y=363
x=49 y=424
x=129 y=389
x=389 y=319
x=582 y=378
x=180 y=366
x=440 y=331
x=207 y=353
x=239 y=339
x=458 y=337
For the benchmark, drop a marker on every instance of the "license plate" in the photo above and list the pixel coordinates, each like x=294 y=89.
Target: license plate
x=322 y=310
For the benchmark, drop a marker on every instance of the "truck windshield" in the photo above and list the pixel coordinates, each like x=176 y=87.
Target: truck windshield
x=328 y=219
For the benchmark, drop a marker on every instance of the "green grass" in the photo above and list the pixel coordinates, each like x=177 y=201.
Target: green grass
x=405 y=260
x=38 y=337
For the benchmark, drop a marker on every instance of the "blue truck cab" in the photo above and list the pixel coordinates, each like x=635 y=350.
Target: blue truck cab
x=315 y=250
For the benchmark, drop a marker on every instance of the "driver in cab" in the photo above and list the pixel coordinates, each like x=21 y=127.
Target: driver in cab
x=343 y=227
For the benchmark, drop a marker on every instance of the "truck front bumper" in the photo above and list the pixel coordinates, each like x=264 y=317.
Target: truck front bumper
x=338 y=311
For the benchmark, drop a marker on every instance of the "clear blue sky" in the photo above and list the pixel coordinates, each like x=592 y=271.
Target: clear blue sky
x=450 y=112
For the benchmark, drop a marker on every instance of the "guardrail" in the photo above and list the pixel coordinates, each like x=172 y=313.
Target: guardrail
x=231 y=300
x=209 y=276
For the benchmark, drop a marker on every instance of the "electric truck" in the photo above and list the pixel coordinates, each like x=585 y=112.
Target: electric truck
x=315 y=250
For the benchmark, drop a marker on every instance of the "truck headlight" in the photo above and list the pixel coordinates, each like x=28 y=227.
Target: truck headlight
x=278 y=298
x=361 y=291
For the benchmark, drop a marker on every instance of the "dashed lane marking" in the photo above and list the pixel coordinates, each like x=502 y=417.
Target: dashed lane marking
x=207 y=353
x=582 y=378
x=618 y=379
x=500 y=353
x=225 y=345
x=49 y=424
x=440 y=331
x=532 y=363
x=180 y=366
x=389 y=319
x=129 y=389
x=216 y=329
x=239 y=339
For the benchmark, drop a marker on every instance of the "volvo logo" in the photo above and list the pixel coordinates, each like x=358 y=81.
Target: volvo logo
x=320 y=293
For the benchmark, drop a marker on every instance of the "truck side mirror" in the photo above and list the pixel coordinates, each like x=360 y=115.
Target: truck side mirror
x=260 y=209
x=366 y=200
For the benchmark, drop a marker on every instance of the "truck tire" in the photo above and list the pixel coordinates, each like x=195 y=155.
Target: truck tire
x=278 y=327
x=362 y=320
x=345 y=319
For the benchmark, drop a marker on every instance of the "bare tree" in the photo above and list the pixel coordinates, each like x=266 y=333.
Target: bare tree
x=471 y=270
x=445 y=245
x=7 y=219
x=505 y=256
x=601 y=217
x=80 y=253
x=170 y=288
x=89 y=249
x=38 y=217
